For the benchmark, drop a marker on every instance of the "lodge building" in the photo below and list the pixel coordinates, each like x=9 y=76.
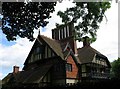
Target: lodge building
x=58 y=61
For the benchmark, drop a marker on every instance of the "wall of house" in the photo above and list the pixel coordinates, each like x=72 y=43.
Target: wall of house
x=74 y=72
x=93 y=70
x=71 y=81
x=46 y=80
x=59 y=82
x=58 y=71
x=99 y=60
x=83 y=67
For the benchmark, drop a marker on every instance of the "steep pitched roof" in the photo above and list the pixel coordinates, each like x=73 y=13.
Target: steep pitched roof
x=33 y=75
x=60 y=50
x=87 y=53
x=54 y=45
x=29 y=76
x=7 y=78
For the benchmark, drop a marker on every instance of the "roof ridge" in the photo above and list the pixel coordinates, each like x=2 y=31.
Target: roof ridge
x=48 y=37
x=95 y=50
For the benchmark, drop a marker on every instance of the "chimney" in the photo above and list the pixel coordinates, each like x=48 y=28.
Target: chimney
x=86 y=41
x=15 y=69
x=65 y=34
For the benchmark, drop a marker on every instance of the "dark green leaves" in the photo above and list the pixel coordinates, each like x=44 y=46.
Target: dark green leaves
x=87 y=16
x=20 y=19
x=116 y=69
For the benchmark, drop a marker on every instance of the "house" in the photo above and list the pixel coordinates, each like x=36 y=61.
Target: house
x=94 y=65
x=58 y=61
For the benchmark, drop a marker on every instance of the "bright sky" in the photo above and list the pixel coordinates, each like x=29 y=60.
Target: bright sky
x=15 y=53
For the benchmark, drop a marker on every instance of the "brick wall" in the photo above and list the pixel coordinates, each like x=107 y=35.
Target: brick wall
x=74 y=72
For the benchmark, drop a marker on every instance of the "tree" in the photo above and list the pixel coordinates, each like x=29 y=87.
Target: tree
x=20 y=19
x=87 y=16
x=116 y=68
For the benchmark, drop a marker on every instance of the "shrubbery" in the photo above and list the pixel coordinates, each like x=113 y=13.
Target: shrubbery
x=112 y=84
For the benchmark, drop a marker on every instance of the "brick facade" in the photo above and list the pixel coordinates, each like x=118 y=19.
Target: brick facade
x=74 y=72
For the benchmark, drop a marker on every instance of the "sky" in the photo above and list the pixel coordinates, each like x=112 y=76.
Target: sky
x=15 y=53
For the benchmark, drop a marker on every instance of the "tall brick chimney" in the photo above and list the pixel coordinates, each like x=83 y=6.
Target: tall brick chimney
x=15 y=69
x=65 y=34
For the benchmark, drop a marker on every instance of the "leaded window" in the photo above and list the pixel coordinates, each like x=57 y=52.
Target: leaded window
x=68 y=67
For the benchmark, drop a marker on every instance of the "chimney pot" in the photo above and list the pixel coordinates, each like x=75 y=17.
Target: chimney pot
x=15 y=69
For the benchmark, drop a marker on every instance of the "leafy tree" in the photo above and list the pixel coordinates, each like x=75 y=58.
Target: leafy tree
x=87 y=16
x=20 y=19
x=116 y=68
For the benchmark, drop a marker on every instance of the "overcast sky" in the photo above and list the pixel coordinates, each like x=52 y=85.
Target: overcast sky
x=15 y=53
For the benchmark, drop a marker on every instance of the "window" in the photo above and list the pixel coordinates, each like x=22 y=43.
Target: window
x=68 y=67
x=48 y=52
x=37 y=50
x=97 y=58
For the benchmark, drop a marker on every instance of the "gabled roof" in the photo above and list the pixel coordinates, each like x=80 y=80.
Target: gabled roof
x=29 y=76
x=33 y=75
x=54 y=45
x=87 y=53
x=7 y=78
x=60 y=50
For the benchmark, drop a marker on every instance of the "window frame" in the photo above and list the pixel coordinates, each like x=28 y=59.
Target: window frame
x=68 y=67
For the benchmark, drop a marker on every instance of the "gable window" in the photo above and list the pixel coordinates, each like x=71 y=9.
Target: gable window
x=39 y=52
x=68 y=67
x=37 y=49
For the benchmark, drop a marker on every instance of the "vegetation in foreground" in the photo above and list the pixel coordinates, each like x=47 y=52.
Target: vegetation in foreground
x=113 y=84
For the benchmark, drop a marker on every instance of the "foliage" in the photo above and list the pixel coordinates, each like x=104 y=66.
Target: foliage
x=116 y=68
x=20 y=19
x=88 y=85
x=86 y=16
